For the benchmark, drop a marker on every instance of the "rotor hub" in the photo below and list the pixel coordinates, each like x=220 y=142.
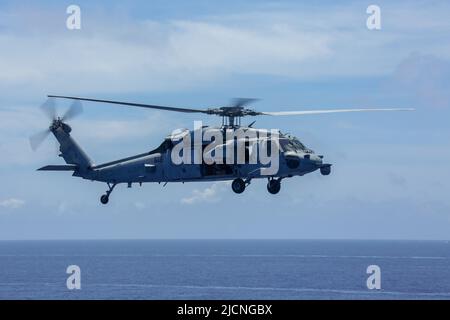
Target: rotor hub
x=232 y=112
x=58 y=123
x=231 y=116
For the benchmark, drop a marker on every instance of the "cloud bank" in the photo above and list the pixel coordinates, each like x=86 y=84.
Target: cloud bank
x=175 y=54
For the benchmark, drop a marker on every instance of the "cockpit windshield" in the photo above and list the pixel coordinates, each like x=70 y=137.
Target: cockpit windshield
x=297 y=144
x=290 y=143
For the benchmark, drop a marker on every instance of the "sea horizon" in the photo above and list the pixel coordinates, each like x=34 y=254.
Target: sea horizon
x=224 y=269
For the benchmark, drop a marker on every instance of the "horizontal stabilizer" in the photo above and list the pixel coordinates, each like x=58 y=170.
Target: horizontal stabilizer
x=59 y=168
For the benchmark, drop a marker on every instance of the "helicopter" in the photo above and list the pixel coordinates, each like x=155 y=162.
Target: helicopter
x=169 y=162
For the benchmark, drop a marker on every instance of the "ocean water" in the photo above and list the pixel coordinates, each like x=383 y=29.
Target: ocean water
x=224 y=269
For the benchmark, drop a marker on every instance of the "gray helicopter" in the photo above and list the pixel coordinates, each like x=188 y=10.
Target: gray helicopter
x=215 y=149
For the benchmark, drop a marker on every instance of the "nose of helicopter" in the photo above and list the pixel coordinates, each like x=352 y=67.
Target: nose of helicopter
x=315 y=159
x=305 y=161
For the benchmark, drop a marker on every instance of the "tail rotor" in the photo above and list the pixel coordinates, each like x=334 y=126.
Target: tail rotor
x=49 y=109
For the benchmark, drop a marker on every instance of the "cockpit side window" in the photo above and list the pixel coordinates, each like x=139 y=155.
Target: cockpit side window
x=286 y=145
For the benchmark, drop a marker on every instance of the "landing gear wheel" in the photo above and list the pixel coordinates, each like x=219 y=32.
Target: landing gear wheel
x=274 y=186
x=325 y=170
x=238 y=185
x=104 y=199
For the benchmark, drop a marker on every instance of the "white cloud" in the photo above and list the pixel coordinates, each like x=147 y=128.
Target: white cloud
x=209 y=194
x=122 y=129
x=150 y=55
x=12 y=203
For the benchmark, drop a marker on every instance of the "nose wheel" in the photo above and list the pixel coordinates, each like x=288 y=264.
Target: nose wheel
x=104 y=199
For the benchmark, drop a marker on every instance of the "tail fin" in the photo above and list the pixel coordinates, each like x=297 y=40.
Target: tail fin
x=71 y=152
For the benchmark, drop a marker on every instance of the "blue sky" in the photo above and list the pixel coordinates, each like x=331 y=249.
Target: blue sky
x=390 y=175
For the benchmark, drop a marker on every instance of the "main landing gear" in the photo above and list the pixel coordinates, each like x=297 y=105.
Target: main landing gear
x=105 y=198
x=238 y=185
x=274 y=185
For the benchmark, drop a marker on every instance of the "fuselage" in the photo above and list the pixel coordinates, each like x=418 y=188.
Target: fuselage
x=158 y=165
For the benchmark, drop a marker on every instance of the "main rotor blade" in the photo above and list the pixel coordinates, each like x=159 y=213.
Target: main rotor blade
x=306 y=112
x=187 y=110
x=37 y=139
x=49 y=108
x=74 y=110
